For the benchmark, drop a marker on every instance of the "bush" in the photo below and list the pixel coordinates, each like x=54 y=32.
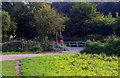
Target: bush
x=12 y=46
x=45 y=43
x=18 y=46
x=32 y=46
x=110 y=46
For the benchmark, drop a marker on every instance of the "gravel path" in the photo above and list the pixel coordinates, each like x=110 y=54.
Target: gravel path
x=20 y=56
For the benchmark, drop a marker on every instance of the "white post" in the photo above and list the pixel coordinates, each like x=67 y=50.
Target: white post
x=69 y=44
x=77 y=44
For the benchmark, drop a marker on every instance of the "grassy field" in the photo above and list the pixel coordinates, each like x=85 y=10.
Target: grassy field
x=71 y=65
x=8 y=68
x=65 y=65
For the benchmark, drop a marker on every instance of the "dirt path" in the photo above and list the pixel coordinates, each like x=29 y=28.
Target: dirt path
x=20 y=56
x=17 y=68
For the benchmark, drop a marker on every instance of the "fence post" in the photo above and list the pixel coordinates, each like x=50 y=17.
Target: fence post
x=77 y=44
x=69 y=44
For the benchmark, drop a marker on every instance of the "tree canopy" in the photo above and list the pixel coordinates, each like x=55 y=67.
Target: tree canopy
x=8 y=26
x=30 y=20
x=34 y=19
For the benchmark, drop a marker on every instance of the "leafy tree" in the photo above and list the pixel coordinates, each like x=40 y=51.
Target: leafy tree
x=117 y=28
x=23 y=15
x=8 y=26
x=79 y=14
x=101 y=24
x=109 y=19
x=48 y=21
x=36 y=19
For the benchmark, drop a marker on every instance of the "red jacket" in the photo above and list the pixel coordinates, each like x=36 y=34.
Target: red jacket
x=61 y=41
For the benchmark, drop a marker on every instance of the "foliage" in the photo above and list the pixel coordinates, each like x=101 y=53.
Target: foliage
x=91 y=22
x=47 y=20
x=95 y=37
x=32 y=46
x=36 y=19
x=79 y=14
x=8 y=26
x=110 y=47
x=117 y=28
x=109 y=19
x=23 y=15
x=23 y=46
x=71 y=65
x=103 y=7
x=11 y=46
x=101 y=25
x=65 y=47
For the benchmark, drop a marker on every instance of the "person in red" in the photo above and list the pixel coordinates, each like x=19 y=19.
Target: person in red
x=61 y=40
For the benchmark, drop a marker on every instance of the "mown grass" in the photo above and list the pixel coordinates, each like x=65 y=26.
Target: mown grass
x=8 y=68
x=71 y=65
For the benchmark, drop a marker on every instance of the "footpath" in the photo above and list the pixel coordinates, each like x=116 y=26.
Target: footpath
x=72 y=50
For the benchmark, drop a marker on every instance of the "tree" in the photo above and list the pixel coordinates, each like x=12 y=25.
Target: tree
x=109 y=19
x=117 y=28
x=24 y=17
x=36 y=19
x=79 y=14
x=48 y=21
x=8 y=26
x=101 y=24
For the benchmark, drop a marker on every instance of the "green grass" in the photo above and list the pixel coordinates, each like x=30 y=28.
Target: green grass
x=71 y=65
x=8 y=68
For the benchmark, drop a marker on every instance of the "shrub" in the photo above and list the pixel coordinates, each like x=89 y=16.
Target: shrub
x=18 y=46
x=110 y=46
x=32 y=46
x=12 y=46
x=45 y=43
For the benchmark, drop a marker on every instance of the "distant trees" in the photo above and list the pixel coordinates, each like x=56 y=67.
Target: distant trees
x=8 y=26
x=85 y=20
x=117 y=28
x=33 y=19
x=101 y=24
x=48 y=21
x=79 y=14
x=24 y=17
